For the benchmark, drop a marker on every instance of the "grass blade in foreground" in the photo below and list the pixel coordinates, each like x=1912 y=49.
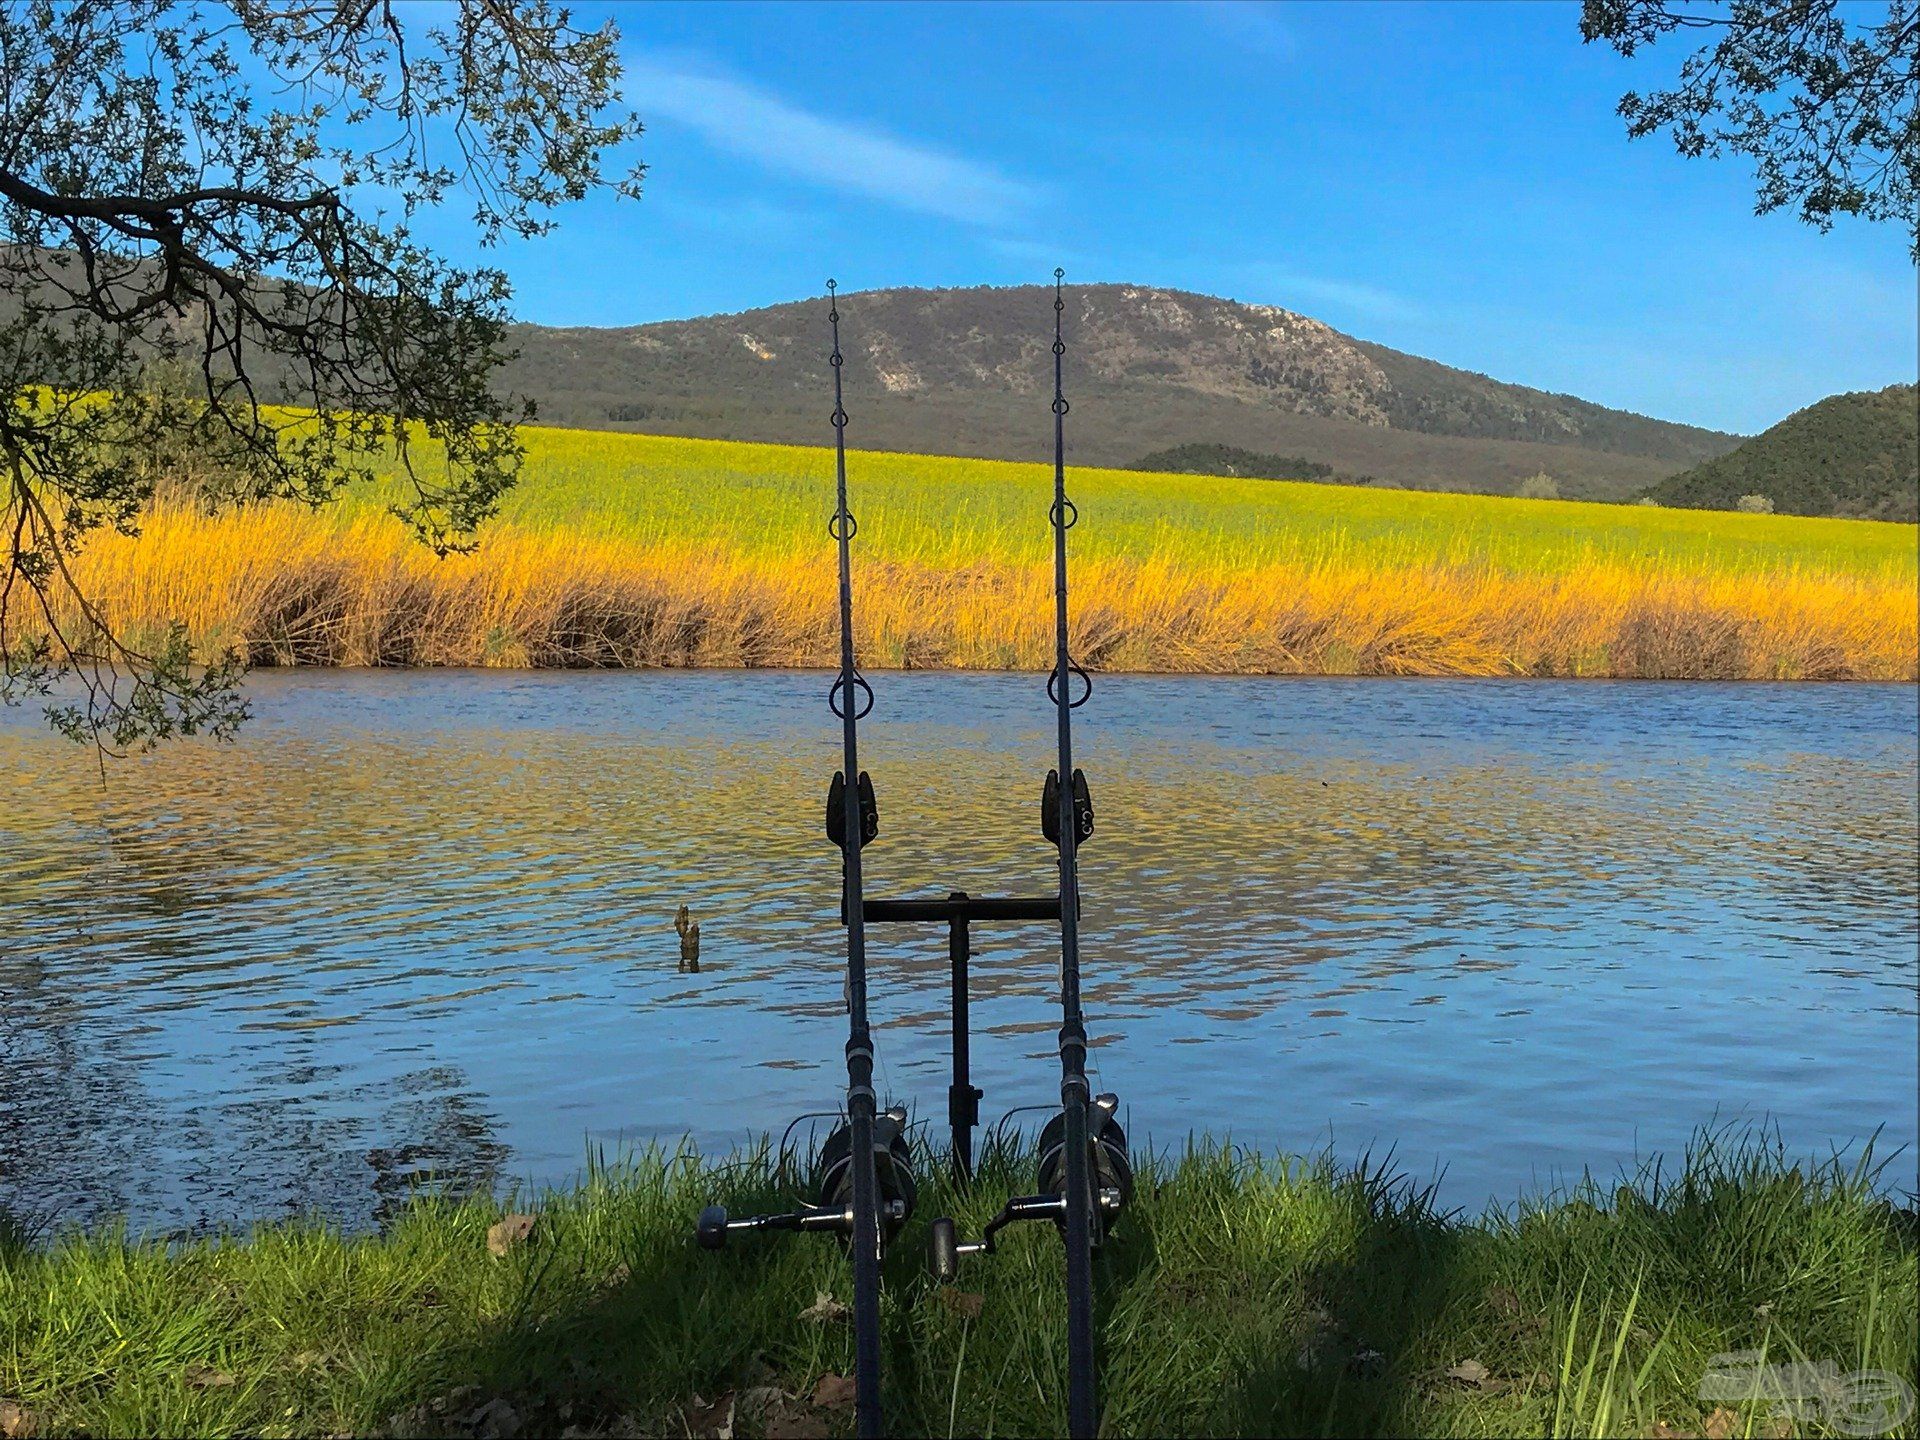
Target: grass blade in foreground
x=1251 y=1297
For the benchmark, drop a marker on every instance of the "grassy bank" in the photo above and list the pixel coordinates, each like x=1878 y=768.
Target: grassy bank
x=637 y=550
x=1240 y=1297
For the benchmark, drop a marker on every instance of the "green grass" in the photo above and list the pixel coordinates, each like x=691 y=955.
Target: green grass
x=1239 y=1297
x=775 y=498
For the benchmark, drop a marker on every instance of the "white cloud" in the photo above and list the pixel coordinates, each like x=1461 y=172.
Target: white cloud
x=1251 y=26
x=1044 y=254
x=1297 y=292
x=833 y=153
x=745 y=216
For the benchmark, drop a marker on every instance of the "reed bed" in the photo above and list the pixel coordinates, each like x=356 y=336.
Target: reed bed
x=285 y=586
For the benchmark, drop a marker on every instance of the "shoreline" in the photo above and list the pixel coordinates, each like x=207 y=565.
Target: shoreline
x=1846 y=682
x=1239 y=1296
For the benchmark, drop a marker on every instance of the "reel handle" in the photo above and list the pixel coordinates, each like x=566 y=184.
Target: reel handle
x=1112 y=1177
x=714 y=1225
x=946 y=1248
x=833 y=1186
x=943 y=1251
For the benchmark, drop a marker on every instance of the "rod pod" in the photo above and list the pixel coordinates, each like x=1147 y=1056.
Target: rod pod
x=1085 y=1178
x=863 y=1182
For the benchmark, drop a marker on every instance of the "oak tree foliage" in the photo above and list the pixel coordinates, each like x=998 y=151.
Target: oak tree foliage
x=1820 y=95
x=210 y=280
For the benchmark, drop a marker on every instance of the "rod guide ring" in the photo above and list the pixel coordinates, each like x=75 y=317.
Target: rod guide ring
x=840 y=685
x=1053 y=683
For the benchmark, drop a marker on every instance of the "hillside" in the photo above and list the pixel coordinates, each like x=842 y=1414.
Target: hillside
x=1855 y=455
x=967 y=372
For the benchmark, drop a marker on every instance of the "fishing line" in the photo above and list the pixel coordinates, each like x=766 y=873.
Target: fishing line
x=863 y=1185
x=1085 y=1178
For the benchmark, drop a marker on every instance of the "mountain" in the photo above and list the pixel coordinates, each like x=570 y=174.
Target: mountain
x=1855 y=454
x=968 y=372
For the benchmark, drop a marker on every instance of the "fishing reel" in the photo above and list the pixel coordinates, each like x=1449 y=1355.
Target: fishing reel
x=1110 y=1171
x=832 y=1187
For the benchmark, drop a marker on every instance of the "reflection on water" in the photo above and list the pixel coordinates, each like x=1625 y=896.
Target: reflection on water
x=420 y=923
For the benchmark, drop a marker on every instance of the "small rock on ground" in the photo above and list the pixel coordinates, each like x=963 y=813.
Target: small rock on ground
x=495 y=1420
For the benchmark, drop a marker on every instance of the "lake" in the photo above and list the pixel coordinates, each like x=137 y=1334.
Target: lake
x=420 y=924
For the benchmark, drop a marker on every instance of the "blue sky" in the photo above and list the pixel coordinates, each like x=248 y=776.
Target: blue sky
x=1448 y=179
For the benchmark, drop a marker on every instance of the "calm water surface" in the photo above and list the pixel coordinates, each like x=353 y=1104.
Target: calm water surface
x=421 y=923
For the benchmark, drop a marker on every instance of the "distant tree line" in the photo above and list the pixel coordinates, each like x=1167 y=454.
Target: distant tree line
x=1206 y=458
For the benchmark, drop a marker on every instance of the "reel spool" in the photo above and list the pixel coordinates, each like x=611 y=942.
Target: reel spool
x=1106 y=1153
x=1112 y=1174
x=892 y=1169
x=832 y=1186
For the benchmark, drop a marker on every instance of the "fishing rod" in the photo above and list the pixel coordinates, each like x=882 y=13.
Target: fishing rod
x=1085 y=1178
x=863 y=1182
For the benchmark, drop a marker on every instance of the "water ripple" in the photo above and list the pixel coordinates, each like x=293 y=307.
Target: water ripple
x=420 y=924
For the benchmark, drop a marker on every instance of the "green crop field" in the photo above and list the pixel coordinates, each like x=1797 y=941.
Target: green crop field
x=939 y=509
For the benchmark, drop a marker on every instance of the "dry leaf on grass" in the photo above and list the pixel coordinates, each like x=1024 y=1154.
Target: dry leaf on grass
x=964 y=1303
x=15 y=1423
x=507 y=1233
x=834 y=1391
x=798 y=1425
x=1722 y=1424
x=758 y=1400
x=709 y=1421
x=781 y=1416
x=204 y=1377
x=825 y=1310
x=1663 y=1431
x=1471 y=1371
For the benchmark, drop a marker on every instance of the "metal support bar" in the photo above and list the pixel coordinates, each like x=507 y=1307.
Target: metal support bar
x=958 y=912
x=970 y=908
x=963 y=1100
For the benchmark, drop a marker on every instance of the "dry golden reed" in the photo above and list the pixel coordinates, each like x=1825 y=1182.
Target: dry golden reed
x=285 y=586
